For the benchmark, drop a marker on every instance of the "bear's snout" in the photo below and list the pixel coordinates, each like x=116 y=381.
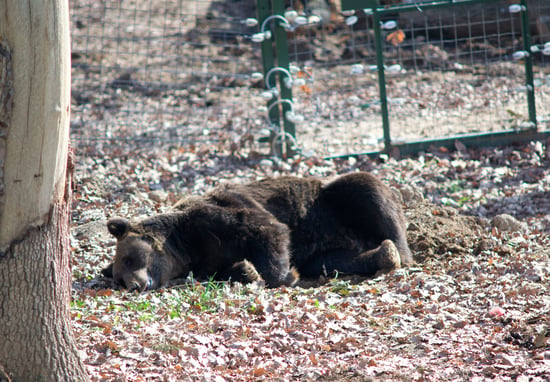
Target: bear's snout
x=134 y=285
x=139 y=280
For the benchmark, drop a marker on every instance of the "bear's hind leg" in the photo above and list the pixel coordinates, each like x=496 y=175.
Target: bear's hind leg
x=369 y=209
x=382 y=259
x=386 y=257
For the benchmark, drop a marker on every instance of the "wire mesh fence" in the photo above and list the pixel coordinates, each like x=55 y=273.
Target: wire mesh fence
x=187 y=72
x=170 y=71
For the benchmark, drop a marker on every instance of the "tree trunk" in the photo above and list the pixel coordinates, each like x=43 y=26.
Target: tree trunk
x=36 y=339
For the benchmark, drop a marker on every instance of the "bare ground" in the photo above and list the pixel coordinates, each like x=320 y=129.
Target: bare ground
x=474 y=307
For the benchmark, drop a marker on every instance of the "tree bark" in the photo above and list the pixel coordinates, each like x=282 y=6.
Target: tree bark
x=35 y=279
x=36 y=340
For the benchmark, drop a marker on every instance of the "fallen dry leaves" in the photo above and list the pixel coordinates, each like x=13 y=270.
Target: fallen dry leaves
x=475 y=307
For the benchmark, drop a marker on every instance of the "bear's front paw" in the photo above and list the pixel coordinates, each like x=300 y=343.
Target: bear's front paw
x=292 y=277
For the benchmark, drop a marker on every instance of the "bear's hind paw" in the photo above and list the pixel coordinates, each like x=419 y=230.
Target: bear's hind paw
x=387 y=257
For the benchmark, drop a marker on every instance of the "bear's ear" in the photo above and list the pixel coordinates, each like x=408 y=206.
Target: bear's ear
x=118 y=227
x=108 y=271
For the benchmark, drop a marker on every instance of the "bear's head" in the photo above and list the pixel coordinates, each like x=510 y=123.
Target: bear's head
x=140 y=261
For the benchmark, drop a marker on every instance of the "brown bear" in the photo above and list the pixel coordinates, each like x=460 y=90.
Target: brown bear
x=274 y=229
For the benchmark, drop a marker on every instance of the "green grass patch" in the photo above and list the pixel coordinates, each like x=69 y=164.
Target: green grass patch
x=171 y=303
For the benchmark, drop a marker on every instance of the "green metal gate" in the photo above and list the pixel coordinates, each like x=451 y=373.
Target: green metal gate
x=274 y=27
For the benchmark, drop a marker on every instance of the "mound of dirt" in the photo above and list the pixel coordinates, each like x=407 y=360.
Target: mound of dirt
x=436 y=232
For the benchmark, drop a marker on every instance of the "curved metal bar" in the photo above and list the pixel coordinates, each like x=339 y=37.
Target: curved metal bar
x=283 y=136
x=276 y=69
x=279 y=101
x=273 y=17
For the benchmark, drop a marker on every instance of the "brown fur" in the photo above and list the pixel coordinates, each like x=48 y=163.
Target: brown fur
x=271 y=229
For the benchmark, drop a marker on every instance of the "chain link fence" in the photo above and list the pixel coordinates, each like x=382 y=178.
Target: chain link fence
x=191 y=73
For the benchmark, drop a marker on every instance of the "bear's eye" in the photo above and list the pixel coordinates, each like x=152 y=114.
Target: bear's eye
x=147 y=239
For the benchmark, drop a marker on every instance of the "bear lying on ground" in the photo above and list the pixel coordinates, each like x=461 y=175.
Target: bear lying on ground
x=274 y=229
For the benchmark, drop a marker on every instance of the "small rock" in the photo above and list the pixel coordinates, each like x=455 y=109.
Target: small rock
x=410 y=193
x=540 y=341
x=266 y=163
x=505 y=222
x=496 y=312
x=241 y=354
x=440 y=324
x=158 y=196
x=535 y=274
x=505 y=359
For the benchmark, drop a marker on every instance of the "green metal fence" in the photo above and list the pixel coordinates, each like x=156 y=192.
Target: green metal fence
x=283 y=137
x=273 y=18
x=282 y=76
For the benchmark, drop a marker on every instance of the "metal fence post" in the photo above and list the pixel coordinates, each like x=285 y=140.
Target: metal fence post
x=268 y=60
x=529 y=82
x=381 y=78
x=281 y=47
x=277 y=107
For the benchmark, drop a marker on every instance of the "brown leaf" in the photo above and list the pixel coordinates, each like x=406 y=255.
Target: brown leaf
x=313 y=358
x=259 y=371
x=396 y=38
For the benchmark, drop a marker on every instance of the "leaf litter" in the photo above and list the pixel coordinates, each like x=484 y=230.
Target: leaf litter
x=475 y=306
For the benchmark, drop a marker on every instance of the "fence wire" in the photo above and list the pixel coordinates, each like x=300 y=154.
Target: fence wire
x=187 y=72
x=160 y=70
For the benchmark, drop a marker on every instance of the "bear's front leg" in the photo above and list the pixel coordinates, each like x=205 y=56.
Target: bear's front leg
x=242 y=271
x=223 y=237
x=268 y=251
x=245 y=272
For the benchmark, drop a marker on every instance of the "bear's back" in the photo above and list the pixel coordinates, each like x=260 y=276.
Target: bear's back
x=288 y=198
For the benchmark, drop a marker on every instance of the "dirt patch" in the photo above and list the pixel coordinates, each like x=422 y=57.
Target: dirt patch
x=437 y=232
